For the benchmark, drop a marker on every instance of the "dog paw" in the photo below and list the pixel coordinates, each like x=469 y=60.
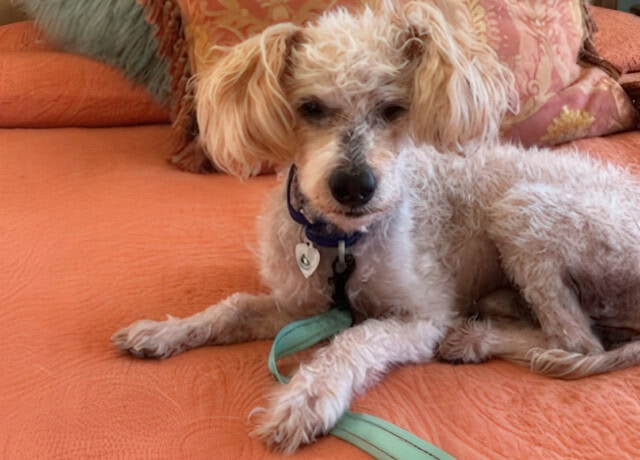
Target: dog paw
x=153 y=339
x=465 y=344
x=296 y=417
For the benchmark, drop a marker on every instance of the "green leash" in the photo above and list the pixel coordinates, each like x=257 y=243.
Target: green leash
x=379 y=438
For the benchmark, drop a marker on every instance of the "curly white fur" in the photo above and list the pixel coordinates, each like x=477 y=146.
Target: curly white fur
x=430 y=50
x=540 y=246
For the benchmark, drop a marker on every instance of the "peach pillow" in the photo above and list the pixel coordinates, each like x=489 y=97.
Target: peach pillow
x=43 y=88
x=560 y=99
x=618 y=38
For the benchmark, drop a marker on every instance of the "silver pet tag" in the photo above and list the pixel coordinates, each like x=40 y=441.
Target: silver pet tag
x=307 y=258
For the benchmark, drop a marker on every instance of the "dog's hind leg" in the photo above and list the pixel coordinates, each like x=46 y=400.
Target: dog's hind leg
x=239 y=318
x=478 y=340
x=503 y=329
x=558 y=309
x=616 y=317
x=539 y=232
x=503 y=303
x=501 y=326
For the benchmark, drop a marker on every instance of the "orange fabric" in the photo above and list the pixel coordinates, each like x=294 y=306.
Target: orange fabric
x=617 y=39
x=40 y=87
x=22 y=36
x=97 y=230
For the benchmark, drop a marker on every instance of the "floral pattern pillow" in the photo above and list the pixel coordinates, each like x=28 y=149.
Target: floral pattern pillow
x=561 y=99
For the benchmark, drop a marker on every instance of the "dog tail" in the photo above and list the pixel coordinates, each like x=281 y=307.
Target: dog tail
x=567 y=365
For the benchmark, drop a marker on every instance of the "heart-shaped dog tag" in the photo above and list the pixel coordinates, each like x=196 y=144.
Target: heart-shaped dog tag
x=307 y=258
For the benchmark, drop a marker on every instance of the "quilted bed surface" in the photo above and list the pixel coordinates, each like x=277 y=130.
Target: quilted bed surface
x=97 y=230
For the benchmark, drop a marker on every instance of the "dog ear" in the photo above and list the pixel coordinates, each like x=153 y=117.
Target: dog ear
x=244 y=117
x=461 y=90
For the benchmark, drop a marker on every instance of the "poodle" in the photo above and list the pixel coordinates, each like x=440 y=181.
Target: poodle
x=457 y=247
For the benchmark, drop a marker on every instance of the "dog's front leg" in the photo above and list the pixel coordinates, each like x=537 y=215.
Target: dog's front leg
x=240 y=318
x=322 y=390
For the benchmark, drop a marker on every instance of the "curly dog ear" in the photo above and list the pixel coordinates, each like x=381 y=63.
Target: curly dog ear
x=461 y=90
x=243 y=114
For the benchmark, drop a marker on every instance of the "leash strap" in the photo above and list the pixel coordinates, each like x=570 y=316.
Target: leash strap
x=379 y=438
x=305 y=333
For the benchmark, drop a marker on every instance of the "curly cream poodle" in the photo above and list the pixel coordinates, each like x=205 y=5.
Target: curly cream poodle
x=461 y=248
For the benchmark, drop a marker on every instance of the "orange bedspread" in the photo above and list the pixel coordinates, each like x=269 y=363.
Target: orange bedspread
x=98 y=230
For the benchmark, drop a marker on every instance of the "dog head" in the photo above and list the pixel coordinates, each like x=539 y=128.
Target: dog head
x=338 y=98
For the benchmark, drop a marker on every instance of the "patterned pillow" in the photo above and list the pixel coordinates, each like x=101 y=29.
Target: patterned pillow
x=560 y=98
x=227 y=22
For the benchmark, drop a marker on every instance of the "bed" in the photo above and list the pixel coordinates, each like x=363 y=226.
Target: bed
x=98 y=229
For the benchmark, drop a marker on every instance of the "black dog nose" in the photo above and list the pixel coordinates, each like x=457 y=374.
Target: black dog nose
x=352 y=187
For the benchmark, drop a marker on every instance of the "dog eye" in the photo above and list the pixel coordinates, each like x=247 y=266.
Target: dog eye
x=391 y=112
x=313 y=110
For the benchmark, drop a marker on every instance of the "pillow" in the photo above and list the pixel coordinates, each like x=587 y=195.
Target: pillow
x=631 y=84
x=560 y=99
x=22 y=36
x=41 y=87
x=618 y=38
x=227 y=22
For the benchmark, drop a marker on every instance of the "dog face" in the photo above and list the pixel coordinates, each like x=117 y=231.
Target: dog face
x=339 y=98
x=350 y=93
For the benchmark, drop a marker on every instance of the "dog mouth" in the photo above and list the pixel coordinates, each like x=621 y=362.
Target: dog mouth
x=357 y=213
x=354 y=218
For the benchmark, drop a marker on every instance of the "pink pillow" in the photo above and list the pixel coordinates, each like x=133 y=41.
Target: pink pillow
x=560 y=98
